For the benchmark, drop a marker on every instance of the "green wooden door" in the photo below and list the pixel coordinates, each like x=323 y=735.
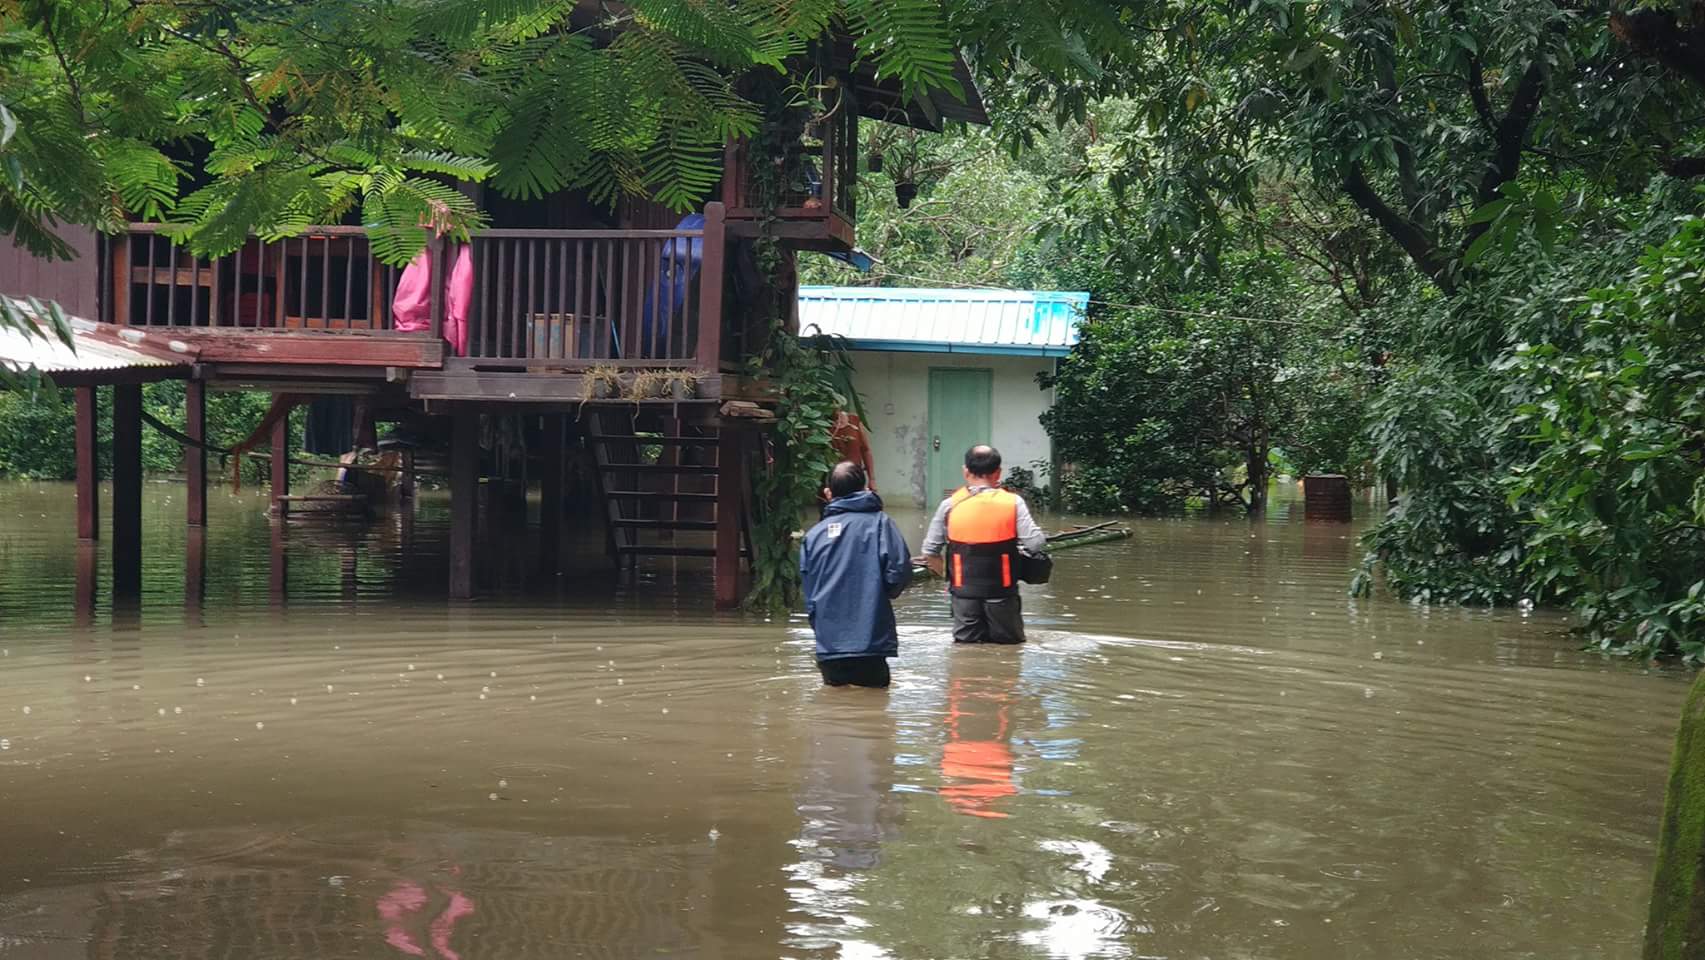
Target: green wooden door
x=959 y=402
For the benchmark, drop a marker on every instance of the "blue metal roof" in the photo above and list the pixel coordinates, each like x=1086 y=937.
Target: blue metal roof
x=1036 y=323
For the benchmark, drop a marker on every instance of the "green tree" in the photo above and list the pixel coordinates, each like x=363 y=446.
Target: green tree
x=1189 y=400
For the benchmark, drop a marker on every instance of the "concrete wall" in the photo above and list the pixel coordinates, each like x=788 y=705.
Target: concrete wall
x=75 y=283
x=895 y=388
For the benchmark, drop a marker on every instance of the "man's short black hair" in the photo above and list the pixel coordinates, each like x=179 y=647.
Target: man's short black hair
x=982 y=460
x=846 y=479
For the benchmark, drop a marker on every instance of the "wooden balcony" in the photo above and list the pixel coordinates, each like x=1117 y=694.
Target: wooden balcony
x=542 y=302
x=818 y=208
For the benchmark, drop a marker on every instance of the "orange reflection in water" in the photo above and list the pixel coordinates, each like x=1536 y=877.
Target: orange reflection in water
x=976 y=760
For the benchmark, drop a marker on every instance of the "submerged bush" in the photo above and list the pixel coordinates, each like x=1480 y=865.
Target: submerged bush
x=1568 y=468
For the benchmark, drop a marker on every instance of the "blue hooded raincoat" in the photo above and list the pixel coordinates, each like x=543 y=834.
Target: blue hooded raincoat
x=853 y=563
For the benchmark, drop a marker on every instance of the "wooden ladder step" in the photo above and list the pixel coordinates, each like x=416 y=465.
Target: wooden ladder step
x=665 y=524
x=659 y=495
x=656 y=468
x=661 y=441
x=645 y=550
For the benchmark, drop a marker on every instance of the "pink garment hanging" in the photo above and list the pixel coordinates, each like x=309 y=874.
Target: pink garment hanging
x=411 y=307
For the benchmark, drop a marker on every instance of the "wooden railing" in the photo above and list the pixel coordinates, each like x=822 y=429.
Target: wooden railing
x=542 y=298
x=325 y=278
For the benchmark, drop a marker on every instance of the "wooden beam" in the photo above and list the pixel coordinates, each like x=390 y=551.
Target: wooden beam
x=464 y=500
x=550 y=367
x=561 y=389
x=280 y=466
x=312 y=377
x=105 y=378
x=728 y=482
x=195 y=456
x=344 y=349
x=88 y=465
x=127 y=490
x=711 y=270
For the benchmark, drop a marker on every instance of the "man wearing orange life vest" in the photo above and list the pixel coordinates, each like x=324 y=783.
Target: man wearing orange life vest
x=974 y=542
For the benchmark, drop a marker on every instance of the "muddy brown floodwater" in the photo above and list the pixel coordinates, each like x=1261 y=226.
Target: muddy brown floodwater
x=1206 y=751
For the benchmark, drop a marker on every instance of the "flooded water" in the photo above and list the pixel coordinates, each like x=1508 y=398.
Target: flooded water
x=1206 y=751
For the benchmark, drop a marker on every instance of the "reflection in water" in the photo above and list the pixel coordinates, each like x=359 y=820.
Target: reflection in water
x=976 y=760
x=847 y=810
x=406 y=903
x=1206 y=750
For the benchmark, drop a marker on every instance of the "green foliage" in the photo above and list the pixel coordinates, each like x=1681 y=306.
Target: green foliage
x=31 y=319
x=1162 y=406
x=979 y=217
x=37 y=438
x=1615 y=486
x=808 y=378
x=1452 y=537
x=1550 y=447
x=810 y=383
x=227 y=116
x=36 y=435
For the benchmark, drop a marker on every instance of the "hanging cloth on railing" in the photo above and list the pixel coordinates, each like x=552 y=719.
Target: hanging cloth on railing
x=678 y=266
x=411 y=307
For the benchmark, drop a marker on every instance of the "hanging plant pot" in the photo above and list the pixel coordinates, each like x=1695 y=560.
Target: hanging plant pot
x=874 y=162
x=904 y=191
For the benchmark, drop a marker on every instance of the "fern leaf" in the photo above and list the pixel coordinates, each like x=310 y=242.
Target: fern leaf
x=906 y=39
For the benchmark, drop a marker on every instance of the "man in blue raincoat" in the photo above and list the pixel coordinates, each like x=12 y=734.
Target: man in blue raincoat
x=852 y=566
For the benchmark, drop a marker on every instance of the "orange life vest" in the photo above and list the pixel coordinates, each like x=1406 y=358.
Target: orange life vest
x=982 y=543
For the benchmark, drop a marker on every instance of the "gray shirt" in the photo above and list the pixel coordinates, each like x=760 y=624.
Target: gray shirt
x=1030 y=536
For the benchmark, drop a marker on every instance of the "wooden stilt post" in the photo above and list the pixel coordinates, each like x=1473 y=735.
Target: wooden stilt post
x=127 y=490
x=730 y=477
x=550 y=494
x=405 y=486
x=195 y=456
x=88 y=465
x=278 y=581
x=83 y=611
x=280 y=466
x=464 y=501
x=195 y=572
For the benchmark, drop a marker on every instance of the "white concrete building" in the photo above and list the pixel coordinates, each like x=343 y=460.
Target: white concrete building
x=942 y=370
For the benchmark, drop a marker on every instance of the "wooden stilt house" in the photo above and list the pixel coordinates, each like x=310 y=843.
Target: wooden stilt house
x=560 y=287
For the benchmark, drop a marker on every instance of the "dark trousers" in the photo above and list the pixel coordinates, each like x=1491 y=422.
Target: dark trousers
x=855 y=671
x=998 y=620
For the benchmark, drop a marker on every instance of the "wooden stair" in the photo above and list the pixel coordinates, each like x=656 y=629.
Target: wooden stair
x=660 y=484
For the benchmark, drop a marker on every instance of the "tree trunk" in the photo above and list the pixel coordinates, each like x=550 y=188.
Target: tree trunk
x=1675 y=929
x=1256 y=458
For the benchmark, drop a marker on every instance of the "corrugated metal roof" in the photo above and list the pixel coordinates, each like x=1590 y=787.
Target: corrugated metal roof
x=1024 y=322
x=100 y=348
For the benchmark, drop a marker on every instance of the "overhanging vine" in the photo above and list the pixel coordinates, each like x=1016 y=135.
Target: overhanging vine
x=809 y=380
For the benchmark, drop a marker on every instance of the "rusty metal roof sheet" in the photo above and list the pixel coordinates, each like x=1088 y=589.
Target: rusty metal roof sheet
x=100 y=348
